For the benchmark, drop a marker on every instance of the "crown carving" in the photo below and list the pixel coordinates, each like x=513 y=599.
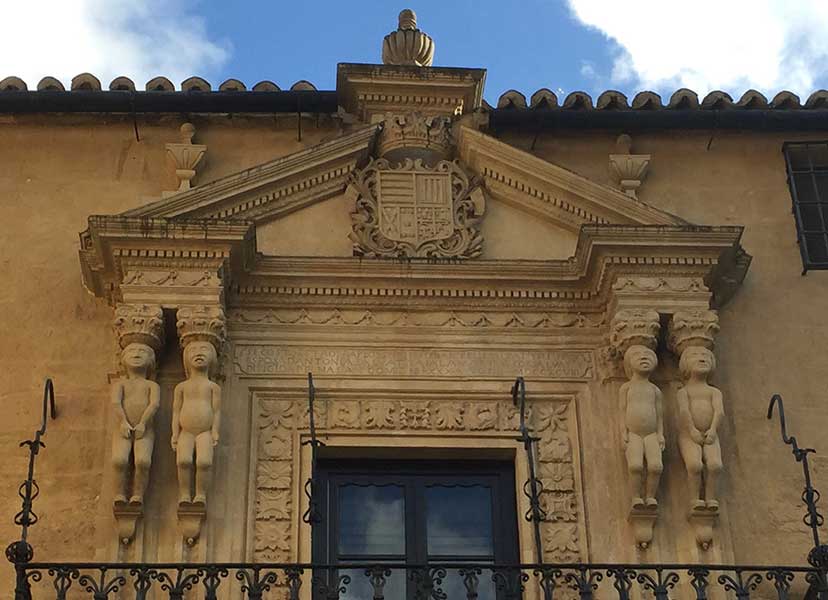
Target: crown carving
x=139 y=323
x=408 y=45
x=692 y=328
x=414 y=133
x=634 y=327
x=202 y=323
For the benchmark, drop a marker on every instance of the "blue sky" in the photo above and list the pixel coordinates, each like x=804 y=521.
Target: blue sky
x=564 y=45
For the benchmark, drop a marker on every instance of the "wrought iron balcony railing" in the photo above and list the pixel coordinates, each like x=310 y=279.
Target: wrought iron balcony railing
x=446 y=581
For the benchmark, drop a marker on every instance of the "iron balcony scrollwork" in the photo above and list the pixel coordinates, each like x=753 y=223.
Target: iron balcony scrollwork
x=312 y=515
x=432 y=581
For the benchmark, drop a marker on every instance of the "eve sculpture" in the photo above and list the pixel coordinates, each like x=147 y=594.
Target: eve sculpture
x=700 y=411
x=195 y=421
x=642 y=429
x=136 y=400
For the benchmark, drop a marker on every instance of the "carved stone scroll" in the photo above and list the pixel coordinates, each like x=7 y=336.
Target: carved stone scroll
x=136 y=398
x=410 y=210
x=196 y=415
x=701 y=409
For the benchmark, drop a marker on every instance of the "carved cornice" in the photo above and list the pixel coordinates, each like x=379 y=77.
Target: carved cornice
x=143 y=252
x=549 y=191
x=370 y=91
x=272 y=189
x=603 y=254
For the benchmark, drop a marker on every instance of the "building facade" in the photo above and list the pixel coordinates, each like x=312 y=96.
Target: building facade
x=391 y=324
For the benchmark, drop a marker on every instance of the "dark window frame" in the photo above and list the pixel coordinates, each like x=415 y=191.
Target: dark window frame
x=414 y=474
x=809 y=236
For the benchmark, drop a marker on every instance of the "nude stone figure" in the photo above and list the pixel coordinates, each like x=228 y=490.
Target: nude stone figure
x=195 y=421
x=642 y=430
x=136 y=400
x=700 y=412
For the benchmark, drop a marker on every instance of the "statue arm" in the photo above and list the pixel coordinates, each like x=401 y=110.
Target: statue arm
x=659 y=400
x=154 y=403
x=118 y=400
x=622 y=405
x=686 y=419
x=178 y=399
x=216 y=413
x=718 y=410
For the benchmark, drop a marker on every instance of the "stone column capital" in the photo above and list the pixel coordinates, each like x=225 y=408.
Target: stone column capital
x=634 y=327
x=139 y=323
x=692 y=327
x=202 y=323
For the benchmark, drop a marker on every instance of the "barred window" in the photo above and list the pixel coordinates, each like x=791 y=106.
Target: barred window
x=807 y=165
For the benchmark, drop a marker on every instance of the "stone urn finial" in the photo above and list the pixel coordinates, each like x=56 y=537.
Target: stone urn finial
x=408 y=45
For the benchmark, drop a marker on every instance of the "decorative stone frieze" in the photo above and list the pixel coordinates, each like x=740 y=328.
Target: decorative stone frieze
x=185 y=157
x=408 y=45
x=628 y=170
x=701 y=409
x=135 y=399
x=413 y=210
x=196 y=415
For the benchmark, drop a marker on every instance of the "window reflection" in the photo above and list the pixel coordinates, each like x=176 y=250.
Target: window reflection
x=371 y=520
x=459 y=521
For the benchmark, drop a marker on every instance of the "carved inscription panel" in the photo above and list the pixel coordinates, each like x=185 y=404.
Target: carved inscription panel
x=281 y=421
x=264 y=360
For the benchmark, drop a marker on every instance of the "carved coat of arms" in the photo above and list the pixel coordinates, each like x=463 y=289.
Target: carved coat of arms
x=413 y=210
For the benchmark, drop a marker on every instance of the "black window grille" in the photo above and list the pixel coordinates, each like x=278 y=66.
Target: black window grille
x=807 y=165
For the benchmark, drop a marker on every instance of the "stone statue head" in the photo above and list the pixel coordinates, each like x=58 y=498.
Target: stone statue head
x=200 y=355
x=697 y=360
x=139 y=356
x=639 y=359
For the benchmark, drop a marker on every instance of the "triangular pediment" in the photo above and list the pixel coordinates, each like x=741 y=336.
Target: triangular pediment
x=273 y=189
x=549 y=191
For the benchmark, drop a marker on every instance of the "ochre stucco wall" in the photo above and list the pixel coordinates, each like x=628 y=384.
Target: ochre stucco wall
x=55 y=171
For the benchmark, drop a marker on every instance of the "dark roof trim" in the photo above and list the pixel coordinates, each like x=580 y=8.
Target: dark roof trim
x=761 y=120
x=308 y=101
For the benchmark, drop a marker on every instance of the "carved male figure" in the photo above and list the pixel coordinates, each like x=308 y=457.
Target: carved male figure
x=700 y=411
x=195 y=421
x=136 y=400
x=642 y=430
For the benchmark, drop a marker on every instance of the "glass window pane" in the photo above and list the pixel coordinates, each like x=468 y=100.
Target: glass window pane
x=804 y=185
x=798 y=155
x=459 y=521
x=809 y=213
x=819 y=155
x=360 y=587
x=371 y=519
x=817 y=251
x=822 y=186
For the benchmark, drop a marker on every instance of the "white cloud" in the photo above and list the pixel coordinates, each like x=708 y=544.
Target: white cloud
x=137 y=38
x=732 y=45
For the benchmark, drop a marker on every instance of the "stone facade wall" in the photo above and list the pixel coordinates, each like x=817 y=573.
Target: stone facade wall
x=58 y=170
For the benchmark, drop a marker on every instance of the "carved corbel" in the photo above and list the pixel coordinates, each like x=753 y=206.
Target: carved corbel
x=628 y=170
x=136 y=398
x=701 y=408
x=185 y=157
x=634 y=336
x=202 y=331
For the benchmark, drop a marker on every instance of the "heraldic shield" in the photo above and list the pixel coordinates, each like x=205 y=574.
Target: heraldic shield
x=414 y=210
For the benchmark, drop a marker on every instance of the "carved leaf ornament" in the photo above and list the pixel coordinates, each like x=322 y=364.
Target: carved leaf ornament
x=413 y=210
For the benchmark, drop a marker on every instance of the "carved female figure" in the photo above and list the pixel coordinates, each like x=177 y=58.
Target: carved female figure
x=195 y=421
x=642 y=429
x=136 y=400
x=700 y=411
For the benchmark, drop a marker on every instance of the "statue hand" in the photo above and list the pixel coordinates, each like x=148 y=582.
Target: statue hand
x=625 y=437
x=174 y=444
x=710 y=437
x=139 y=431
x=696 y=436
x=215 y=439
x=661 y=442
x=126 y=430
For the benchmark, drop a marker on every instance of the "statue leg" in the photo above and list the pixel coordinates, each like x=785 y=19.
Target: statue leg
x=652 y=450
x=143 y=461
x=204 y=465
x=121 y=449
x=635 y=467
x=691 y=452
x=713 y=462
x=184 y=461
